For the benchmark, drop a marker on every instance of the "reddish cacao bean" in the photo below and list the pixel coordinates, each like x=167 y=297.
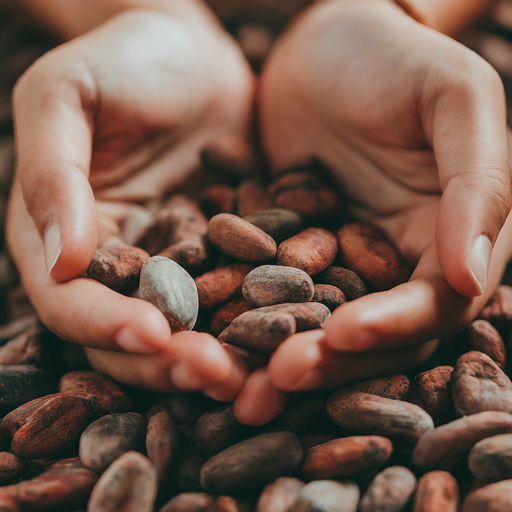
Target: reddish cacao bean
x=229 y=504
x=221 y=285
x=445 y=446
x=431 y=390
x=280 y=495
x=366 y=250
x=496 y=497
x=273 y=284
x=192 y=255
x=312 y=250
x=227 y=313
x=437 y=491
x=162 y=443
x=478 y=384
x=346 y=457
x=249 y=359
x=394 y=387
x=28 y=348
x=329 y=296
x=280 y=224
x=252 y=463
x=491 y=458
x=371 y=414
x=11 y=467
x=190 y=502
x=390 y=491
x=217 y=199
x=498 y=310
x=316 y=439
x=251 y=198
x=118 y=266
x=327 y=496
x=240 y=239
x=107 y=438
x=483 y=337
x=128 y=485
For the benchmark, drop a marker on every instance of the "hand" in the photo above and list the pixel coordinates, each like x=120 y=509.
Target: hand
x=413 y=126
x=120 y=114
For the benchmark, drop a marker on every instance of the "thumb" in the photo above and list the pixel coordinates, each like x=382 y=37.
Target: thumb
x=52 y=106
x=469 y=137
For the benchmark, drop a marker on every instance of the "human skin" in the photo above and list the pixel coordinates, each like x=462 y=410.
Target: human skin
x=418 y=141
x=107 y=116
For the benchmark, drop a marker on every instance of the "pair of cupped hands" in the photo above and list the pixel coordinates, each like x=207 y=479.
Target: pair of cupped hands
x=411 y=123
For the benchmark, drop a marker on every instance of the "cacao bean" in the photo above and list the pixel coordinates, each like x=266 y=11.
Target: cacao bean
x=483 y=337
x=346 y=457
x=496 y=497
x=366 y=250
x=431 y=390
x=252 y=463
x=445 y=446
x=192 y=255
x=498 y=310
x=162 y=443
x=170 y=288
x=346 y=280
x=128 y=485
x=390 y=491
x=478 y=384
x=118 y=266
x=437 y=491
x=312 y=251
x=107 y=438
x=280 y=495
x=280 y=224
x=226 y=314
x=221 y=285
x=329 y=296
x=371 y=414
x=217 y=199
x=190 y=502
x=491 y=458
x=394 y=387
x=11 y=467
x=251 y=198
x=327 y=496
x=269 y=284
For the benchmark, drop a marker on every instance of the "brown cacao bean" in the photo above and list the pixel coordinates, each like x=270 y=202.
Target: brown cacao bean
x=162 y=443
x=170 y=288
x=229 y=504
x=11 y=467
x=240 y=239
x=221 y=285
x=390 y=491
x=346 y=457
x=437 y=491
x=366 y=250
x=53 y=427
x=280 y=224
x=394 y=387
x=280 y=495
x=217 y=199
x=327 y=496
x=312 y=250
x=226 y=314
x=478 y=384
x=118 y=266
x=496 y=497
x=431 y=390
x=190 y=502
x=491 y=458
x=371 y=414
x=251 y=198
x=498 y=310
x=483 y=337
x=107 y=438
x=346 y=280
x=272 y=284
x=329 y=296
x=445 y=446
x=192 y=255
x=216 y=430
x=128 y=485
x=252 y=463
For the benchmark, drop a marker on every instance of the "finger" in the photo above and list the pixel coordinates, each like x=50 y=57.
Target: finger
x=53 y=110
x=467 y=126
x=304 y=362
x=229 y=390
x=422 y=309
x=81 y=310
x=192 y=362
x=260 y=401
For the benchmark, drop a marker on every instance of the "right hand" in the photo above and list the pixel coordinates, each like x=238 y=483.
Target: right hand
x=120 y=114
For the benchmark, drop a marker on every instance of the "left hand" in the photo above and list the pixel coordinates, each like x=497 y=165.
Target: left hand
x=413 y=126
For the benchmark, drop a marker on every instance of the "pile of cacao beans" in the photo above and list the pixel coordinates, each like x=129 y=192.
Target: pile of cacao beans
x=253 y=263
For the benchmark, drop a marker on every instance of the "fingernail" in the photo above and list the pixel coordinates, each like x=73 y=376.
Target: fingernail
x=130 y=342
x=480 y=259
x=52 y=246
x=183 y=377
